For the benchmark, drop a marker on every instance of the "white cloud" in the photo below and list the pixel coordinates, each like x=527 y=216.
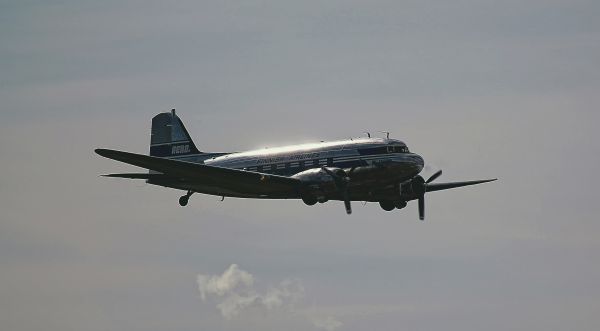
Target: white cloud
x=234 y=292
x=224 y=284
x=327 y=323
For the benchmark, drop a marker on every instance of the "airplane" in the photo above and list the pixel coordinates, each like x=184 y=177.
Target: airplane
x=381 y=170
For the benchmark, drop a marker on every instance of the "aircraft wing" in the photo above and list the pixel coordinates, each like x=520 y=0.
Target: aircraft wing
x=445 y=186
x=231 y=179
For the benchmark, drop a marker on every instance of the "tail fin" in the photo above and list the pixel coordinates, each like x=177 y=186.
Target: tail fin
x=169 y=137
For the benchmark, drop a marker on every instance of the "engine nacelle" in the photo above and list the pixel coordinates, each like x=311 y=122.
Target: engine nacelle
x=318 y=175
x=416 y=186
x=318 y=183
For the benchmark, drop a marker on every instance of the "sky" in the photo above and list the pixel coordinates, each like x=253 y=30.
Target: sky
x=481 y=89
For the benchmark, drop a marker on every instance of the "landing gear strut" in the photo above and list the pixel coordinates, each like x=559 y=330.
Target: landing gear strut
x=183 y=200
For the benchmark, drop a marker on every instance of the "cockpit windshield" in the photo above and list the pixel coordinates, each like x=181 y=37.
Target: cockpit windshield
x=384 y=150
x=397 y=149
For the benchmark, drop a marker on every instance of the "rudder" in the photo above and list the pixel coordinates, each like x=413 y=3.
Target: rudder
x=169 y=137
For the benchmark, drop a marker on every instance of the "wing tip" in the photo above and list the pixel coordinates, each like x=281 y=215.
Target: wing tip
x=483 y=181
x=101 y=151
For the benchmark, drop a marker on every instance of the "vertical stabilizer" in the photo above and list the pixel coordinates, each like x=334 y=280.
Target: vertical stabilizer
x=169 y=137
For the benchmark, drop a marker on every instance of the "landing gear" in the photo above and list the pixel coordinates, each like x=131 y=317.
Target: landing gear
x=309 y=200
x=400 y=204
x=387 y=205
x=183 y=200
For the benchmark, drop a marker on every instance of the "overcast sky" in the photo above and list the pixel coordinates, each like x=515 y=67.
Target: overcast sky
x=481 y=89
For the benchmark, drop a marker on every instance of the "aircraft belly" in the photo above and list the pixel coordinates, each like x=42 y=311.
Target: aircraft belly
x=222 y=191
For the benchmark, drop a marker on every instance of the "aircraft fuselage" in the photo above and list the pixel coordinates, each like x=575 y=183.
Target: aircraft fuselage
x=375 y=163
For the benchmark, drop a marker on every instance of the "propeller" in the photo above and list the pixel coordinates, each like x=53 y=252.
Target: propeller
x=419 y=186
x=434 y=176
x=341 y=180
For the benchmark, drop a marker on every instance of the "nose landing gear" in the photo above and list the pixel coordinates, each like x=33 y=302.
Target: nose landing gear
x=183 y=200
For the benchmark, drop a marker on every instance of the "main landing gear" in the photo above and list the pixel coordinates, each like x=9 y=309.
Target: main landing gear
x=389 y=205
x=183 y=201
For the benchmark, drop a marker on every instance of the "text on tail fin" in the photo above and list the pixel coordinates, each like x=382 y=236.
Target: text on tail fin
x=169 y=136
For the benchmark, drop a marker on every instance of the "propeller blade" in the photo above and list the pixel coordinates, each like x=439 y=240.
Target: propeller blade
x=434 y=177
x=422 y=207
x=347 y=203
x=348 y=207
x=341 y=183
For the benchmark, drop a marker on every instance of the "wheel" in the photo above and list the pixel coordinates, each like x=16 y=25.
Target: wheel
x=400 y=204
x=183 y=201
x=309 y=200
x=387 y=205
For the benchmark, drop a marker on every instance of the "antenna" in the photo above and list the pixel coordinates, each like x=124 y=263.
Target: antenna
x=387 y=134
x=173 y=112
x=368 y=134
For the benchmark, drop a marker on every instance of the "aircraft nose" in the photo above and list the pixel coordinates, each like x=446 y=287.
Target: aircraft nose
x=418 y=161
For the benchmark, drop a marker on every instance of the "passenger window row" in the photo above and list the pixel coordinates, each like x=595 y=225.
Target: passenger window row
x=295 y=164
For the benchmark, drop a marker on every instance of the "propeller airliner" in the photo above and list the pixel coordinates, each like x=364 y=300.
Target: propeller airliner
x=381 y=170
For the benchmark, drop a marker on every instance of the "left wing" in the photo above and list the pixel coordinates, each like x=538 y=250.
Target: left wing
x=226 y=178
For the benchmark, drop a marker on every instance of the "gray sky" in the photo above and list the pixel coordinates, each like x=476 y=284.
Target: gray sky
x=480 y=89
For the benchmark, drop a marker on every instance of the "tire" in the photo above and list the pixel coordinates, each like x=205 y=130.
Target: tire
x=387 y=205
x=309 y=200
x=400 y=204
x=183 y=201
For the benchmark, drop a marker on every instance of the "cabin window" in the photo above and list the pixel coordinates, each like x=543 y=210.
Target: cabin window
x=259 y=168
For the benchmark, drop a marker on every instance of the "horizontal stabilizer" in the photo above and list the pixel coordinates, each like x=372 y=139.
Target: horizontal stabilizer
x=137 y=176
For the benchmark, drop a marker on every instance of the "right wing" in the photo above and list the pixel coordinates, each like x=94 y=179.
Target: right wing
x=226 y=178
x=445 y=186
